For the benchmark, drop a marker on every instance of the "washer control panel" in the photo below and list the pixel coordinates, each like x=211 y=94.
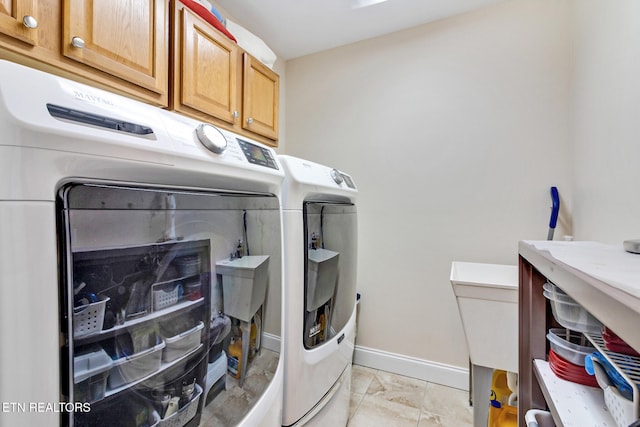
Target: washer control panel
x=257 y=155
x=230 y=146
x=308 y=172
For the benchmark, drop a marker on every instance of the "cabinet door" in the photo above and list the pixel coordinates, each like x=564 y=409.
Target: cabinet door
x=125 y=38
x=260 y=98
x=206 y=69
x=18 y=19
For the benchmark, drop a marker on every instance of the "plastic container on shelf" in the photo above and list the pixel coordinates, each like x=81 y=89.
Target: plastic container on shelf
x=192 y=289
x=90 y=372
x=572 y=315
x=129 y=369
x=188 y=265
x=555 y=291
x=181 y=344
x=184 y=414
x=166 y=295
x=89 y=319
x=570 y=345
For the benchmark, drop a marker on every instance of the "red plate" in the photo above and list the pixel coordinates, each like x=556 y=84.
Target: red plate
x=569 y=371
x=568 y=367
x=615 y=343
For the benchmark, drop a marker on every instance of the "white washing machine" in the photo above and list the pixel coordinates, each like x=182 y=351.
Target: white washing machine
x=140 y=263
x=320 y=246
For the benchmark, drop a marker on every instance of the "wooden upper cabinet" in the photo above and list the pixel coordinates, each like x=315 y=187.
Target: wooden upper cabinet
x=215 y=81
x=124 y=38
x=19 y=19
x=206 y=69
x=260 y=97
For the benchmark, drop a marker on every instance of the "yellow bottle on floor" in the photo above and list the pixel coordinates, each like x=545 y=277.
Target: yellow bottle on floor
x=252 y=339
x=323 y=325
x=501 y=414
x=254 y=336
x=234 y=359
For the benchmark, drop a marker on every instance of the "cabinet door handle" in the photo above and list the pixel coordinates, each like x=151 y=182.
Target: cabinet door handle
x=235 y=114
x=30 y=22
x=77 y=42
x=250 y=120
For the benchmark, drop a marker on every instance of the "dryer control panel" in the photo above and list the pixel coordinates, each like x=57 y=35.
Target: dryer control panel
x=257 y=155
x=308 y=172
x=315 y=182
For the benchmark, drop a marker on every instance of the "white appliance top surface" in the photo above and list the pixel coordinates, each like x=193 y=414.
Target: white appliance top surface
x=26 y=99
x=609 y=263
x=306 y=180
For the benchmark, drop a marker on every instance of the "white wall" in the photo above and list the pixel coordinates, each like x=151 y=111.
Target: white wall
x=606 y=126
x=454 y=131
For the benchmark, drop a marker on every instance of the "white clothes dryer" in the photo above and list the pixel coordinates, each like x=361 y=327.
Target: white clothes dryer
x=125 y=229
x=320 y=246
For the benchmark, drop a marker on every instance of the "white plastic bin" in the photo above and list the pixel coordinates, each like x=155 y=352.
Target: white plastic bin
x=90 y=372
x=89 y=319
x=165 y=295
x=184 y=414
x=129 y=369
x=181 y=344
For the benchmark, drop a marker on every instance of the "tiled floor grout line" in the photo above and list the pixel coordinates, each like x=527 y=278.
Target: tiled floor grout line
x=437 y=406
x=424 y=394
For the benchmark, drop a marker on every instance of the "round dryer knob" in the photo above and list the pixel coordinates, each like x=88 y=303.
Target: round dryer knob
x=336 y=176
x=211 y=137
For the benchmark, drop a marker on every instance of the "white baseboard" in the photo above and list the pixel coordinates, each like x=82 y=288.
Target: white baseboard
x=439 y=373
x=271 y=342
x=450 y=376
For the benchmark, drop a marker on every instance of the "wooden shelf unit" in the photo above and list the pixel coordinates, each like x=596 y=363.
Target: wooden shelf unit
x=590 y=274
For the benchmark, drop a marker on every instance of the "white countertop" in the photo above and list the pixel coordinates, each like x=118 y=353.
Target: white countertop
x=608 y=263
x=604 y=279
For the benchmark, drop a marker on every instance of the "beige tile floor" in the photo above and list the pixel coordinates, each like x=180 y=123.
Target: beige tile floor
x=382 y=399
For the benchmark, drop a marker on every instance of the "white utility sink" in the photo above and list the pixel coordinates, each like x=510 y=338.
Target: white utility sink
x=322 y=277
x=244 y=284
x=487 y=296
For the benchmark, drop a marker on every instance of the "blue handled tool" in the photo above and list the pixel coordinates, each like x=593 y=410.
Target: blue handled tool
x=555 y=209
